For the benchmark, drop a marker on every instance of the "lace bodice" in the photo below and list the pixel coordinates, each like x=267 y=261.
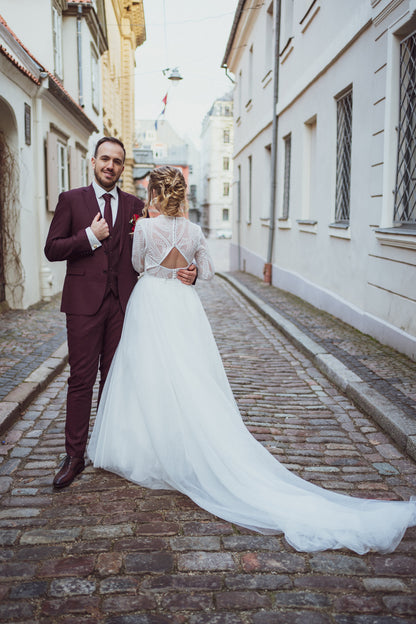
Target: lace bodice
x=155 y=239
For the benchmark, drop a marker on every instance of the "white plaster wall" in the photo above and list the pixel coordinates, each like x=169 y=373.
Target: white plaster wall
x=16 y=91
x=349 y=273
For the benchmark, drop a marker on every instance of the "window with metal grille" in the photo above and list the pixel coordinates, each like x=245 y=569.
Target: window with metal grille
x=286 y=183
x=344 y=137
x=405 y=190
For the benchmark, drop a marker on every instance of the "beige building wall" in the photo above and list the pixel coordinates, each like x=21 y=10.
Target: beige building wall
x=125 y=31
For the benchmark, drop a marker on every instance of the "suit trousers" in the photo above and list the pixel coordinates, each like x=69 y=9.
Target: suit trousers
x=92 y=342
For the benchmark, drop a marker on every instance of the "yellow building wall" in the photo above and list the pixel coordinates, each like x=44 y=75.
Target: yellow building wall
x=125 y=32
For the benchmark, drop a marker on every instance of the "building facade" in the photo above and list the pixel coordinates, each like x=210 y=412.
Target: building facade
x=217 y=168
x=52 y=111
x=125 y=32
x=158 y=144
x=45 y=132
x=342 y=229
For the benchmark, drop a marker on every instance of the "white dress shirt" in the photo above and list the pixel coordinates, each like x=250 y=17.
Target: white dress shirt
x=99 y=192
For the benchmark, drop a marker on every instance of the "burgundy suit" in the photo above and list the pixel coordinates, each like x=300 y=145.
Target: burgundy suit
x=97 y=287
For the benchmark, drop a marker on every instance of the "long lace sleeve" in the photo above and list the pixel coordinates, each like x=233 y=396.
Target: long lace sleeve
x=139 y=247
x=203 y=260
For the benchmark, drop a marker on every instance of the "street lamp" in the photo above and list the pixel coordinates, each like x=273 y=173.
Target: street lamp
x=174 y=74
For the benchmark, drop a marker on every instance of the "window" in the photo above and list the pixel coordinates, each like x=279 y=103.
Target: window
x=226 y=135
x=226 y=163
x=250 y=187
x=226 y=189
x=287 y=23
x=286 y=182
x=84 y=171
x=62 y=167
x=95 y=80
x=57 y=42
x=250 y=75
x=405 y=190
x=225 y=214
x=268 y=39
x=240 y=93
x=310 y=169
x=343 y=177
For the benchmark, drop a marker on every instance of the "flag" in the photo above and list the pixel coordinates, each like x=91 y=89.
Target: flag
x=165 y=101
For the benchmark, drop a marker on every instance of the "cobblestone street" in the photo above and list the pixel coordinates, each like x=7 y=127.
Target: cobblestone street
x=105 y=551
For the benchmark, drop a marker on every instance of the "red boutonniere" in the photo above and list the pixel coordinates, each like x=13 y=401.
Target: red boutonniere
x=133 y=221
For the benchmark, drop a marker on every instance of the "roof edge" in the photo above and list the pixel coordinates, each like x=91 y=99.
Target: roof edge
x=230 y=41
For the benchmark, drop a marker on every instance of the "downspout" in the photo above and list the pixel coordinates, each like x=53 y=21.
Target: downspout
x=79 y=49
x=267 y=271
x=239 y=220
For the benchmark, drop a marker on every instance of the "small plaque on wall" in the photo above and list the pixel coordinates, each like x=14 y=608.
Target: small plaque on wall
x=28 y=125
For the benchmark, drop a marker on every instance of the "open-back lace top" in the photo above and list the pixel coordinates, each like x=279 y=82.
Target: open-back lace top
x=163 y=244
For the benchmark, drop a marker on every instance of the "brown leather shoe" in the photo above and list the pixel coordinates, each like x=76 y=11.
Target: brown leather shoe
x=71 y=467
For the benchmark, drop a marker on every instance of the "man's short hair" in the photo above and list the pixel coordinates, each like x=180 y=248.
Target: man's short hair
x=110 y=140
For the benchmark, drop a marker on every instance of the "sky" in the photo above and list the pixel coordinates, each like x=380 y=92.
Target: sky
x=191 y=35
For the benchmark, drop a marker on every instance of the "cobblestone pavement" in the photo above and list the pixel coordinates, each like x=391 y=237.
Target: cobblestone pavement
x=27 y=339
x=105 y=551
x=388 y=372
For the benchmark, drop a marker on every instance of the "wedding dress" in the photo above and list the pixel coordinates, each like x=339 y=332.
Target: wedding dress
x=168 y=419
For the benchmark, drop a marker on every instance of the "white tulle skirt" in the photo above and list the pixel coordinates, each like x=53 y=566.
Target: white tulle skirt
x=168 y=419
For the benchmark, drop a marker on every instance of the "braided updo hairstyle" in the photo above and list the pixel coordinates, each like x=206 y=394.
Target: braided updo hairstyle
x=169 y=188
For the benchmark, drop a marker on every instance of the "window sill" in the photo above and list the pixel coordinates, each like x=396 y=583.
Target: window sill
x=265 y=222
x=284 y=224
x=307 y=225
x=403 y=236
x=249 y=106
x=267 y=79
x=340 y=230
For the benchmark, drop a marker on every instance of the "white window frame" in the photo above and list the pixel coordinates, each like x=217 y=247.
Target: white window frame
x=57 y=42
x=62 y=160
x=95 y=80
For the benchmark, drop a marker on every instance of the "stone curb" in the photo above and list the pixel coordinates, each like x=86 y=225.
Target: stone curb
x=394 y=421
x=13 y=404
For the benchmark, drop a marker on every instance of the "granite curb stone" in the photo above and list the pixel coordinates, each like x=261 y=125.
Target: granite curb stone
x=23 y=394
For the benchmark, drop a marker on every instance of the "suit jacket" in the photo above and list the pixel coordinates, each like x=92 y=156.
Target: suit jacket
x=86 y=273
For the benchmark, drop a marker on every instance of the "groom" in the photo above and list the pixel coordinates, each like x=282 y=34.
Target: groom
x=91 y=231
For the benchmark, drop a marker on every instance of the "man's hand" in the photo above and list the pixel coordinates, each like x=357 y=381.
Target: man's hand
x=187 y=276
x=99 y=227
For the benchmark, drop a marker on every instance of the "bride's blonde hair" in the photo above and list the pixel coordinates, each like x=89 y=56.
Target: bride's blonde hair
x=169 y=186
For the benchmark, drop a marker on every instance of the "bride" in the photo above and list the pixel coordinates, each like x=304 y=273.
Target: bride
x=168 y=419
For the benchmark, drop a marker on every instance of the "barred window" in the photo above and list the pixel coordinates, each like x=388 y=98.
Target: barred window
x=405 y=190
x=343 y=178
x=286 y=184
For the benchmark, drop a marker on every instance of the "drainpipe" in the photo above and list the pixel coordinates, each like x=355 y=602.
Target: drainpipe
x=267 y=271
x=239 y=220
x=79 y=48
